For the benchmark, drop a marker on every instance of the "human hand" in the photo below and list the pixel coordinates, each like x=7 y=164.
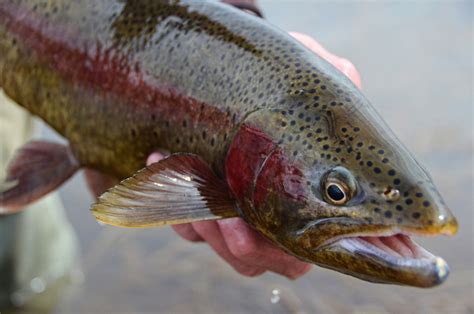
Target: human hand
x=232 y=239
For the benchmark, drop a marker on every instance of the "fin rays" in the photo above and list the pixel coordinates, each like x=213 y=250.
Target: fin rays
x=178 y=189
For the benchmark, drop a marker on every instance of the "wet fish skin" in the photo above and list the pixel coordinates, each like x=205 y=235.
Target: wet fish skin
x=120 y=79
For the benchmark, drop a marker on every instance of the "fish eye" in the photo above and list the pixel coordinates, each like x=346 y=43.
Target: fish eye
x=336 y=193
x=338 y=186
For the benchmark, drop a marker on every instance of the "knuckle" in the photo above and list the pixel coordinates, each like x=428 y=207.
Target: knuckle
x=298 y=271
x=187 y=232
x=250 y=271
x=191 y=237
x=246 y=248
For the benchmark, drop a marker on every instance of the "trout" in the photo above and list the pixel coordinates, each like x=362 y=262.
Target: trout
x=257 y=125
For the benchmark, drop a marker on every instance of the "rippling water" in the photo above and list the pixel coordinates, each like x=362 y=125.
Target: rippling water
x=415 y=59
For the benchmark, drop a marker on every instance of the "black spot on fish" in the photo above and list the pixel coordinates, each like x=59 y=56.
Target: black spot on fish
x=416 y=215
x=388 y=214
x=391 y=172
x=426 y=203
x=408 y=201
x=399 y=208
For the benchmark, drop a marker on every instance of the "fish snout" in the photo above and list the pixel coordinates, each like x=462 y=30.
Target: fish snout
x=446 y=224
x=437 y=222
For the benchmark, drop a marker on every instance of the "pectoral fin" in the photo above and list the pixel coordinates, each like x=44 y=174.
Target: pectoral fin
x=178 y=189
x=37 y=168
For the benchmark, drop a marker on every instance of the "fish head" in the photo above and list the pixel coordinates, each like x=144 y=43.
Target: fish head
x=333 y=186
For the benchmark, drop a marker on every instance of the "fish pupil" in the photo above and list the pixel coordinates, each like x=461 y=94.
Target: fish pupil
x=335 y=193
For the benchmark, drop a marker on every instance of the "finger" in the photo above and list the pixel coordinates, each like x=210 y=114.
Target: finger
x=210 y=232
x=344 y=65
x=250 y=247
x=348 y=68
x=187 y=232
x=98 y=182
x=156 y=156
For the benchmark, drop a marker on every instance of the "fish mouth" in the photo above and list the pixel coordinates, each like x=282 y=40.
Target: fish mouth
x=399 y=250
x=386 y=258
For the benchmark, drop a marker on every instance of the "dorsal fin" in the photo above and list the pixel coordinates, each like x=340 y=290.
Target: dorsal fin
x=178 y=189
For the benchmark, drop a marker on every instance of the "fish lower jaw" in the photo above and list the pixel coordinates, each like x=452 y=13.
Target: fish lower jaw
x=399 y=251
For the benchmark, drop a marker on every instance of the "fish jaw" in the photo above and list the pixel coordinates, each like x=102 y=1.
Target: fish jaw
x=390 y=257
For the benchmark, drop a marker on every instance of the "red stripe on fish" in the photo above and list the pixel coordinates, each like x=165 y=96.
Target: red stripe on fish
x=90 y=64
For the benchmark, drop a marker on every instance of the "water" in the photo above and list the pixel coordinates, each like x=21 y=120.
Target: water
x=415 y=59
x=275 y=298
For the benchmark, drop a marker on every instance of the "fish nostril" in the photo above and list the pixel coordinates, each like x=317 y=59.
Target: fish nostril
x=391 y=194
x=446 y=223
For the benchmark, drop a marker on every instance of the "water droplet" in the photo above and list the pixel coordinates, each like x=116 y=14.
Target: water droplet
x=37 y=285
x=275 y=298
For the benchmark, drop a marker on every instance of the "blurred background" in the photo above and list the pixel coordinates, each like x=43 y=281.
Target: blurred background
x=416 y=63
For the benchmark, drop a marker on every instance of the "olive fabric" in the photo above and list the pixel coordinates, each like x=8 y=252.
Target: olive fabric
x=37 y=245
